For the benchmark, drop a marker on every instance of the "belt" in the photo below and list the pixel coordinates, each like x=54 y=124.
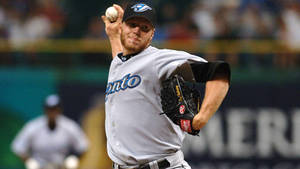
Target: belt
x=162 y=164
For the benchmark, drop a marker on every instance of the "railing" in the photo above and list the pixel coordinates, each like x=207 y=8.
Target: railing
x=80 y=52
x=193 y=46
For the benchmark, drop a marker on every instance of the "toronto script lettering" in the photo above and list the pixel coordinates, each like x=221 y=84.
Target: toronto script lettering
x=124 y=83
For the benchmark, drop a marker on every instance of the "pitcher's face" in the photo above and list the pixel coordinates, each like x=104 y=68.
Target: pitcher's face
x=136 y=35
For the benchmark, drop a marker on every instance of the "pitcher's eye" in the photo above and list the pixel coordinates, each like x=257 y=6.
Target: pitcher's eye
x=145 y=28
x=132 y=25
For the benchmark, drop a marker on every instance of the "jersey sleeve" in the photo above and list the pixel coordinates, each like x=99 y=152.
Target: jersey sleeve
x=21 y=143
x=168 y=61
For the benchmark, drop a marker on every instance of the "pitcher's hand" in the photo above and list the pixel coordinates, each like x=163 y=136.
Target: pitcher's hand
x=113 y=29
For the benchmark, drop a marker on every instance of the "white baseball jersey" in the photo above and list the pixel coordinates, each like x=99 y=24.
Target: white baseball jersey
x=136 y=132
x=46 y=146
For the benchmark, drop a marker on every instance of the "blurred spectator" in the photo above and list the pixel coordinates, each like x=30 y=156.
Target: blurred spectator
x=27 y=28
x=204 y=20
x=30 y=20
x=3 y=31
x=4 y=55
x=55 y=14
x=225 y=26
x=16 y=22
x=184 y=29
x=168 y=13
x=37 y=26
x=167 y=17
x=22 y=6
x=212 y=4
x=289 y=35
x=290 y=30
x=255 y=23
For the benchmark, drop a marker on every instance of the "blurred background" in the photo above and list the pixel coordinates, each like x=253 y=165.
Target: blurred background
x=60 y=46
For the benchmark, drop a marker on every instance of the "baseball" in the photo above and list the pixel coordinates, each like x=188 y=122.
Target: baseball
x=112 y=14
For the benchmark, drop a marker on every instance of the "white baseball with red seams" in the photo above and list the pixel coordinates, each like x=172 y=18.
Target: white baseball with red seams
x=111 y=13
x=136 y=132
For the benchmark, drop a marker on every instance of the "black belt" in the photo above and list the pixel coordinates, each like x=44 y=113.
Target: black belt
x=162 y=164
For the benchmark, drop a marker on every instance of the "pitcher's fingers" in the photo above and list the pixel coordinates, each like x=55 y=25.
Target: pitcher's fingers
x=105 y=20
x=118 y=8
x=120 y=12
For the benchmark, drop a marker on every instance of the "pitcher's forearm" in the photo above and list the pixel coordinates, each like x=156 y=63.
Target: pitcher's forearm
x=116 y=46
x=215 y=93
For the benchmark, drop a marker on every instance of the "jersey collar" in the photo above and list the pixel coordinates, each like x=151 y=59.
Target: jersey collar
x=126 y=57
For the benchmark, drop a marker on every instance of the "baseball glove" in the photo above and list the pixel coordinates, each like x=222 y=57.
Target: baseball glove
x=180 y=102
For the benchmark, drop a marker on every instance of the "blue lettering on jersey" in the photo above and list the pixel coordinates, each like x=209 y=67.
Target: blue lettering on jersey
x=126 y=82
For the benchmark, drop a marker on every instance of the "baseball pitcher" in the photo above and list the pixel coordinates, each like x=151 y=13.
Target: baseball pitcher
x=150 y=104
